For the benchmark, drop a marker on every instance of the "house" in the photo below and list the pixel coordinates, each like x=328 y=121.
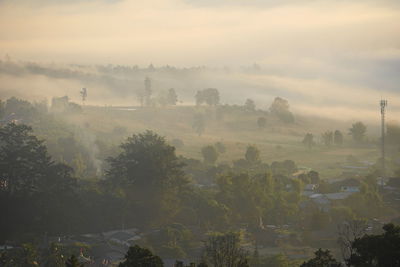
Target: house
x=309 y=189
x=347 y=185
x=322 y=201
x=351 y=189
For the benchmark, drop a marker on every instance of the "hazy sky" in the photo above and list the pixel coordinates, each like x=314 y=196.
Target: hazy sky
x=313 y=47
x=200 y=32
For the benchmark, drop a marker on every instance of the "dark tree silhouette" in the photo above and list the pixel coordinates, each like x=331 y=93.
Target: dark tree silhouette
x=308 y=140
x=249 y=105
x=377 y=250
x=252 y=154
x=210 y=96
x=280 y=108
x=224 y=250
x=172 y=97
x=357 y=131
x=199 y=124
x=73 y=262
x=210 y=154
x=141 y=257
x=323 y=258
x=338 y=138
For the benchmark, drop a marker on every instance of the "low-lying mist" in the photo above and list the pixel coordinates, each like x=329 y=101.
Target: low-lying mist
x=118 y=85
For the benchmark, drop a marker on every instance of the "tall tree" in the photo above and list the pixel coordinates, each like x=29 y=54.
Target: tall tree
x=357 y=131
x=308 y=140
x=249 y=105
x=172 y=97
x=224 y=250
x=323 y=258
x=140 y=257
x=199 y=124
x=252 y=154
x=338 y=138
x=73 y=262
x=280 y=108
x=147 y=91
x=210 y=154
x=377 y=250
x=327 y=138
x=35 y=190
x=210 y=96
x=148 y=168
x=83 y=94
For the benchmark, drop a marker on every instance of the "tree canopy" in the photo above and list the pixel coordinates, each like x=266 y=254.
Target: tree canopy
x=141 y=257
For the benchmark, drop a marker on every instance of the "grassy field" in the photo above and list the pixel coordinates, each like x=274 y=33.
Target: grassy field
x=236 y=130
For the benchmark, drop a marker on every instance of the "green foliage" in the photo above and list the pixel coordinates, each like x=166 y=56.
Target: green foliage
x=223 y=250
x=54 y=257
x=280 y=108
x=148 y=168
x=323 y=258
x=338 y=138
x=357 y=131
x=172 y=97
x=252 y=154
x=221 y=148
x=199 y=124
x=377 y=250
x=73 y=262
x=140 y=257
x=210 y=154
x=249 y=105
x=210 y=96
x=35 y=188
x=26 y=256
x=308 y=140
x=327 y=138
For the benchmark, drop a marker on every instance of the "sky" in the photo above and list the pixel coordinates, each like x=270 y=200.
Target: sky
x=328 y=53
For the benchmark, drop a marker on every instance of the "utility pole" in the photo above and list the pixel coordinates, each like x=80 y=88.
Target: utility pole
x=383 y=111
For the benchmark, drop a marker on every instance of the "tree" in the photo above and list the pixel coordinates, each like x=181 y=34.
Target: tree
x=323 y=258
x=73 y=262
x=54 y=258
x=140 y=257
x=327 y=138
x=2 y=109
x=210 y=96
x=261 y=122
x=221 y=148
x=210 y=154
x=147 y=91
x=224 y=250
x=308 y=140
x=338 y=138
x=349 y=231
x=83 y=94
x=252 y=154
x=249 y=105
x=377 y=250
x=148 y=169
x=25 y=166
x=199 y=124
x=172 y=97
x=314 y=177
x=35 y=190
x=357 y=131
x=280 y=108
